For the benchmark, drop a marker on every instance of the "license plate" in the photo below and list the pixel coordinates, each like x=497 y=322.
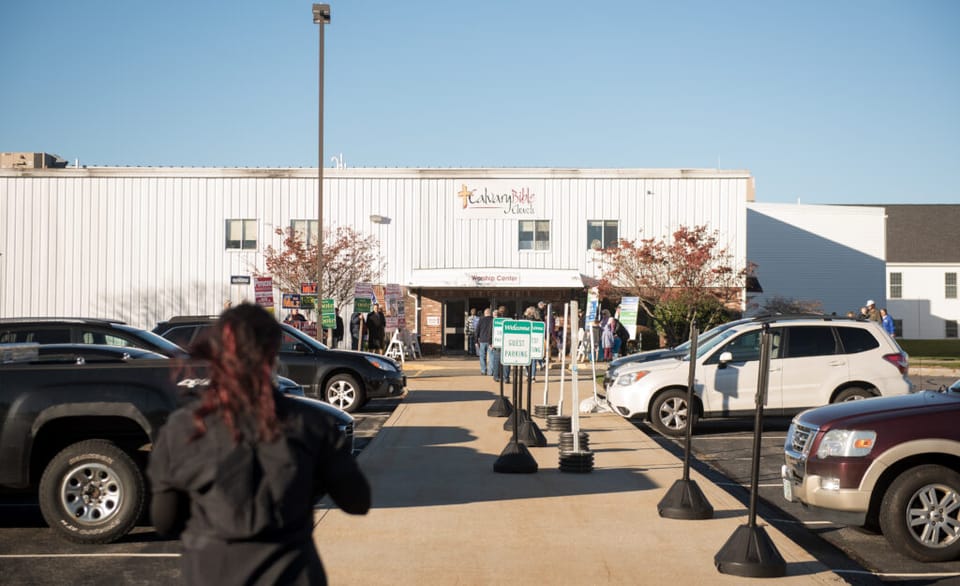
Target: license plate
x=788 y=490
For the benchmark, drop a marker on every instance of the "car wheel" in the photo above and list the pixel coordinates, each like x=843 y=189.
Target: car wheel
x=670 y=414
x=92 y=492
x=920 y=513
x=853 y=394
x=343 y=391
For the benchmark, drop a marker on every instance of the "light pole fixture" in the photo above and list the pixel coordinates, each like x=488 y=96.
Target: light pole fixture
x=380 y=221
x=321 y=16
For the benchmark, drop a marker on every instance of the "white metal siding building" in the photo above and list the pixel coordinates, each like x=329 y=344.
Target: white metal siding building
x=144 y=244
x=834 y=255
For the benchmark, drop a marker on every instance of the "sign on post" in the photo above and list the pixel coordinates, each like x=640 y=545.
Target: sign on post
x=263 y=291
x=593 y=304
x=328 y=313
x=538 y=331
x=629 y=306
x=516 y=343
x=497 y=341
x=362 y=294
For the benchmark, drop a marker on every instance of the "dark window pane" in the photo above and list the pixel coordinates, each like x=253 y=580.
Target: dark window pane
x=594 y=235
x=810 y=341
x=857 y=340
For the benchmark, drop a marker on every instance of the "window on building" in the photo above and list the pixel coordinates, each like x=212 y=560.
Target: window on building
x=950 y=285
x=306 y=229
x=898 y=328
x=242 y=234
x=534 y=234
x=602 y=234
x=896 y=285
x=951 y=330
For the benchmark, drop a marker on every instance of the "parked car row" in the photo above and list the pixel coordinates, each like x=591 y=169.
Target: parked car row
x=343 y=378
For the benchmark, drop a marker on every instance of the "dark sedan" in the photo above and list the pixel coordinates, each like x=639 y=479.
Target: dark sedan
x=343 y=378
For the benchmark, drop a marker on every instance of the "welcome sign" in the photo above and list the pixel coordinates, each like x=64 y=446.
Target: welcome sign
x=503 y=199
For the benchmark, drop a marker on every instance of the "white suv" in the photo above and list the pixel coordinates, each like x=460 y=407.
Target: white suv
x=814 y=361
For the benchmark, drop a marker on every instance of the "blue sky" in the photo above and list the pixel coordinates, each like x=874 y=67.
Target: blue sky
x=823 y=101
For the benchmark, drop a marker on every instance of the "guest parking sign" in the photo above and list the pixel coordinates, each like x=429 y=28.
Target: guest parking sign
x=516 y=343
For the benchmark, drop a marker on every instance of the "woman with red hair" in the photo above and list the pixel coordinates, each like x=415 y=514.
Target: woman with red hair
x=236 y=474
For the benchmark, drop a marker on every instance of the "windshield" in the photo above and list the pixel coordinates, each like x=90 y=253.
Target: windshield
x=713 y=342
x=708 y=335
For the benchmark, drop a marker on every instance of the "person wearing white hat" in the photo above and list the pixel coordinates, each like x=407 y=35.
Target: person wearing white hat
x=872 y=313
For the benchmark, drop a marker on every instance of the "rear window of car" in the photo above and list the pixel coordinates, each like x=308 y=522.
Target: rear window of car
x=805 y=341
x=180 y=335
x=857 y=340
x=36 y=336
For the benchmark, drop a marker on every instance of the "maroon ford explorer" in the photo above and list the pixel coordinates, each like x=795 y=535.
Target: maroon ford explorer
x=891 y=463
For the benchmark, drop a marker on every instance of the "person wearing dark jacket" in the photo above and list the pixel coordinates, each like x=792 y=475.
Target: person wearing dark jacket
x=355 y=342
x=376 y=324
x=484 y=339
x=235 y=474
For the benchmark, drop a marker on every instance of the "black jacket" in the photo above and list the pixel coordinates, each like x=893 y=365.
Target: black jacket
x=485 y=330
x=245 y=513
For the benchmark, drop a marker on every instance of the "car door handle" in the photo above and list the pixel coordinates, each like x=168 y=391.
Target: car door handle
x=837 y=362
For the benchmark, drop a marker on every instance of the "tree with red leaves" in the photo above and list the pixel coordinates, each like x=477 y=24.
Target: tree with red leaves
x=349 y=257
x=689 y=276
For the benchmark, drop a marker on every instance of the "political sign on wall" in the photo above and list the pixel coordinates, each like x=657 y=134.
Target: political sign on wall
x=393 y=299
x=263 y=291
x=363 y=297
x=308 y=288
x=308 y=302
x=516 y=343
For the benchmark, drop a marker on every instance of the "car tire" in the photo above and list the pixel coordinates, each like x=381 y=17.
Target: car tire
x=919 y=511
x=92 y=492
x=853 y=394
x=344 y=392
x=669 y=414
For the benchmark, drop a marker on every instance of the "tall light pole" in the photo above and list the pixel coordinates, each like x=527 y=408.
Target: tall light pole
x=321 y=16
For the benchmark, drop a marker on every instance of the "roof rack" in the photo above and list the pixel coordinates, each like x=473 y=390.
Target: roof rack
x=51 y=319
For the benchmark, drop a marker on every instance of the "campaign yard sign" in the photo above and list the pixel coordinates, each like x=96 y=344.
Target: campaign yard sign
x=516 y=343
x=327 y=313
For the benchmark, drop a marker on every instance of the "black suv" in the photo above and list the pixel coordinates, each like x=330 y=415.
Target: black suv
x=80 y=330
x=343 y=378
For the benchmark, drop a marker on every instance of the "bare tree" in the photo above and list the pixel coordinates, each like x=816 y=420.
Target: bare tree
x=689 y=275
x=349 y=257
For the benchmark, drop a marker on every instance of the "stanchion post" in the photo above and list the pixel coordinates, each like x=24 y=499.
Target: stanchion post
x=750 y=552
x=685 y=499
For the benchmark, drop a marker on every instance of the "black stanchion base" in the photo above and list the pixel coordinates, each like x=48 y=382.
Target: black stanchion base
x=530 y=435
x=515 y=459
x=558 y=423
x=508 y=424
x=501 y=408
x=750 y=553
x=576 y=462
x=543 y=411
x=685 y=500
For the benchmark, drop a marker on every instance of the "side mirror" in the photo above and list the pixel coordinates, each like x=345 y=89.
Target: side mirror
x=725 y=357
x=301 y=348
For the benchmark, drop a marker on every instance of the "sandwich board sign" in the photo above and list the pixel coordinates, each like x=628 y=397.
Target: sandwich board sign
x=538 y=333
x=516 y=343
x=497 y=341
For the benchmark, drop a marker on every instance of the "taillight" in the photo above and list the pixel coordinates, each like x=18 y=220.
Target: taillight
x=899 y=360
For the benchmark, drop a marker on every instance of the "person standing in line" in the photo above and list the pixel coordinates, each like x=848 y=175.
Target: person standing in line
x=607 y=337
x=236 y=473
x=484 y=339
x=376 y=324
x=470 y=329
x=887 y=322
x=499 y=370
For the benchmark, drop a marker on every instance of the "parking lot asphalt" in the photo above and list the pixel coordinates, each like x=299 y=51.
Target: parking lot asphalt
x=443 y=515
